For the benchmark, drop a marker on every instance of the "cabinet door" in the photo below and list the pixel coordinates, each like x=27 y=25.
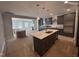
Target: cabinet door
x=77 y=38
x=60 y=19
x=40 y=22
x=48 y=21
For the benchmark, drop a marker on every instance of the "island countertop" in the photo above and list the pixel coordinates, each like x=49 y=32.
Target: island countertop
x=42 y=34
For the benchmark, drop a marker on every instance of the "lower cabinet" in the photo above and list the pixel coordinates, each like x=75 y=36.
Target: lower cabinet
x=41 y=46
x=21 y=34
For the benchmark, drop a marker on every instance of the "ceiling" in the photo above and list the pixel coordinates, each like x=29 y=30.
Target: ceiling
x=30 y=8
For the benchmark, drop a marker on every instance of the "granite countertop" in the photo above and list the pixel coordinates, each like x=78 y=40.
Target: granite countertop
x=42 y=34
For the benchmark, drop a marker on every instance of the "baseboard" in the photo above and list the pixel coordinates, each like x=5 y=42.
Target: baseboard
x=2 y=51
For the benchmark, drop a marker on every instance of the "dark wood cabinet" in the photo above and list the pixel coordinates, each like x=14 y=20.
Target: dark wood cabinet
x=41 y=46
x=40 y=22
x=60 y=19
x=77 y=38
x=49 y=21
x=21 y=34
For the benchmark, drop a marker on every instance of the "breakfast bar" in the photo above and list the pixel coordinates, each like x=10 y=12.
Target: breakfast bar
x=43 y=40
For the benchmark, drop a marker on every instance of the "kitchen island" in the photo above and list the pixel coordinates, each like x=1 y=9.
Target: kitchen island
x=43 y=40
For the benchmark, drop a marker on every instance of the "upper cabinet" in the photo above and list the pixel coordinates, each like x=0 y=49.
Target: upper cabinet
x=60 y=19
x=40 y=22
x=48 y=21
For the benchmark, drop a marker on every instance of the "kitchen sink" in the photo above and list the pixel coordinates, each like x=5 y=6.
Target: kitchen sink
x=48 y=31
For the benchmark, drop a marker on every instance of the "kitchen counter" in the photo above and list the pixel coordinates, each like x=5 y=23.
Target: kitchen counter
x=43 y=41
x=42 y=34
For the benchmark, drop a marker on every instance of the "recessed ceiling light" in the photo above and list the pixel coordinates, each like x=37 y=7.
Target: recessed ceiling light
x=68 y=9
x=47 y=10
x=65 y=2
x=51 y=14
x=37 y=5
x=43 y=8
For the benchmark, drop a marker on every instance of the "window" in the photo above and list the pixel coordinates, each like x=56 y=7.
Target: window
x=20 y=23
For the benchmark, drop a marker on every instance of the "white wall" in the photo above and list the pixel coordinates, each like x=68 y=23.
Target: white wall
x=6 y=32
x=2 y=38
x=7 y=21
